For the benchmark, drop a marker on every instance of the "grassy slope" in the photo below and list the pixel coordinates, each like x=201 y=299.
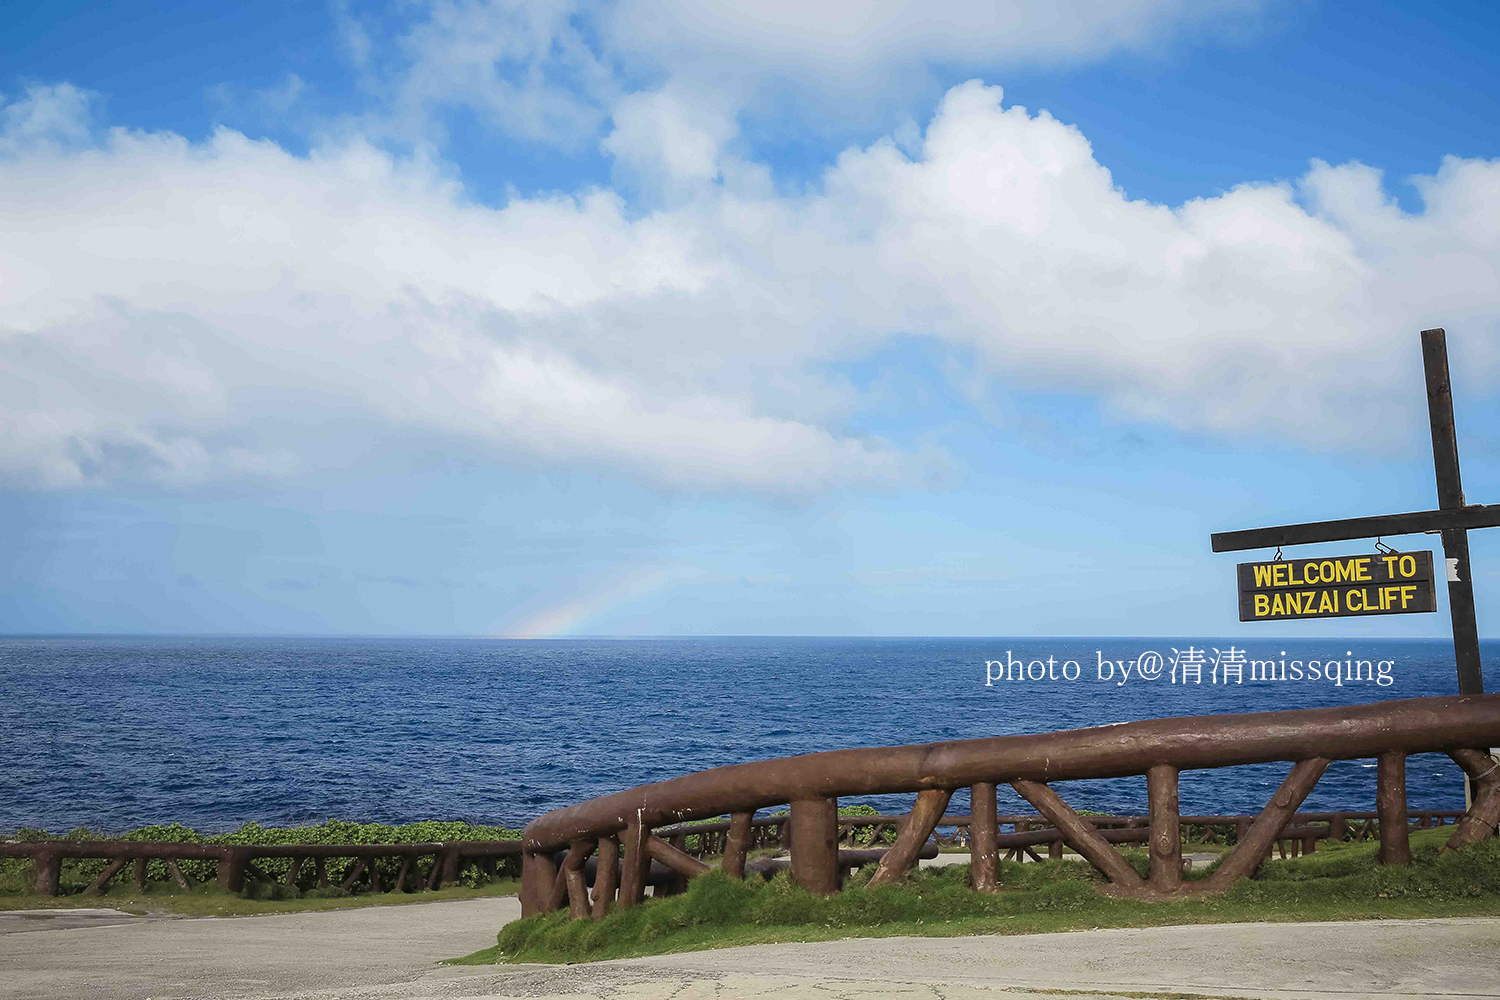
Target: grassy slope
x=1339 y=882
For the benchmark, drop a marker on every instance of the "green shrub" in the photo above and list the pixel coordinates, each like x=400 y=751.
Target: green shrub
x=78 y=873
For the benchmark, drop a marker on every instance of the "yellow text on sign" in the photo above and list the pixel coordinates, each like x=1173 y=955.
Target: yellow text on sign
x=1326 y=602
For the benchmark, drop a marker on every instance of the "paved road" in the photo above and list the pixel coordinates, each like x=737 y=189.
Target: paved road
x=387 y=954
x=242 y=957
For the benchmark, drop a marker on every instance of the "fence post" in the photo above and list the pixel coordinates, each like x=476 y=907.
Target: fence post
x=813 y=840
x=1390 y=803
x=1166 y=828
x=606 y=877
x=736 y=844
x=635 y=865
x=984 y=837
x=46 y=870
x=232 y=868
x=537 y=875
x=452 y=862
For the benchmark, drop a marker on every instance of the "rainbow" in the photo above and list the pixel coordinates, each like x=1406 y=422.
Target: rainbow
x=565 y=617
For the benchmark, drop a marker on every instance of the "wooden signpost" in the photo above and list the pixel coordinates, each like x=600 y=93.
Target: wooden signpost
x=1384 y=582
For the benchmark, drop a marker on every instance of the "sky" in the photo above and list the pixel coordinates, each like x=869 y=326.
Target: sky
x=656 y=318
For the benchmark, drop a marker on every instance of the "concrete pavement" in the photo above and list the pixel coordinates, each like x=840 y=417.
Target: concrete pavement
x=388 y=953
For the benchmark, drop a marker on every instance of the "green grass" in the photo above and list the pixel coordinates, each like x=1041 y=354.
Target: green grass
x=208 y=900
x=1339 y=882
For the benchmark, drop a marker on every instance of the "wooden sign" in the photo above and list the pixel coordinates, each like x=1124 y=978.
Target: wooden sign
x=1380 y=583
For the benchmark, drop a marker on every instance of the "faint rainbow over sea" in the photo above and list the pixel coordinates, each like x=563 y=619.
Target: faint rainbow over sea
x=565 y=617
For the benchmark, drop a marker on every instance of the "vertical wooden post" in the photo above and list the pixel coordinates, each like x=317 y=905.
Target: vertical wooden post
x=1450 y=492
x=736 y=845
x=320 y=868
x=232 y=868
x=575 y=883
x=46 y=871
x=813 y=841
x=984 y=837
x=451 y=864
x=1055 y=850
x=538 y=874
x=635 y=865
x=606 y=876
x=1166 y=828
x=1338 y=827
x=1390 y=803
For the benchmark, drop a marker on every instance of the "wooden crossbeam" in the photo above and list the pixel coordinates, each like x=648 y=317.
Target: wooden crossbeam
x=1484 y=815
x=1265 y=831
x=110 y=871
x=925 y=812
x=354 y=873
x=1079 y=833
x=675 y=857
x=175 y=873
x=1381 y=525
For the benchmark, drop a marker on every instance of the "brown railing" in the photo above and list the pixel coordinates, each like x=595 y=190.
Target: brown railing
x=1031 y=830
x=235 y=861
x=619 y=827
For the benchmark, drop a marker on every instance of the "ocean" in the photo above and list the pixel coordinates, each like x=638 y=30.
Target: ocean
x=114 y=732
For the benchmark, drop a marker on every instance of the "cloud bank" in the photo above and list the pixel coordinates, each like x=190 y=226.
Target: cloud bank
x=189 y=311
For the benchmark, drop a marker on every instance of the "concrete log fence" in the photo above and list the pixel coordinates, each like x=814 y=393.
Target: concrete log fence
x=709 y=839
x=234 y=862
x=1464 y=727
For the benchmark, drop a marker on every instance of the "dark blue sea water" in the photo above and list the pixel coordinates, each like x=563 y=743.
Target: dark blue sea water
x=114 y=732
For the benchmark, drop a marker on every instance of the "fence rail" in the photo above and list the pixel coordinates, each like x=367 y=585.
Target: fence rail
x=620 y=828
x=1032 y=830
x=235 y=861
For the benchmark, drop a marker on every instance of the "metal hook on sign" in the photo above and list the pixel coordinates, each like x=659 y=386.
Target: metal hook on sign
x=1278 y=556
x=1382 y=547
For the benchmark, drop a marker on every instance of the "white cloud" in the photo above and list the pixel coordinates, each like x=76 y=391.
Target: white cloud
x=46 y=115
x=670 y=136
x=858 y=42
x=526 y=68
x=194 y=310
x=565 y=72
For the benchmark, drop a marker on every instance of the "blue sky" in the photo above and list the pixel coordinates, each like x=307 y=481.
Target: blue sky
x=654 y=318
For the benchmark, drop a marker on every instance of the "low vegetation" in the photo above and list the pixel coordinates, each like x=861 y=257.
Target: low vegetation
x=268 y=895
x=1339 y=882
